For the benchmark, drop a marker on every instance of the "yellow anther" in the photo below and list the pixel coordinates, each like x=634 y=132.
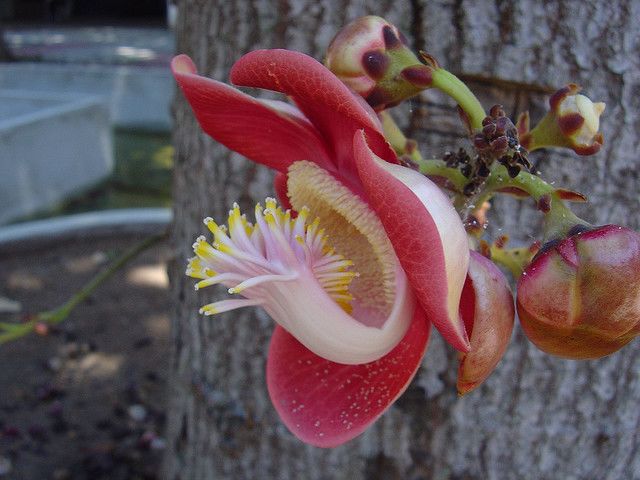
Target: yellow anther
x=271 y=203
x=208 y=310
x=331 y=271
x=213 y=226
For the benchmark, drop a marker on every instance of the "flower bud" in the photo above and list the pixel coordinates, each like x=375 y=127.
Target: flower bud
x=580 y=297
x=573 y=122
x=487 y=310
x=371 y=56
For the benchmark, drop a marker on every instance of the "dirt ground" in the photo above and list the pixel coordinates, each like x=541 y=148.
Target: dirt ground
x=85 y=401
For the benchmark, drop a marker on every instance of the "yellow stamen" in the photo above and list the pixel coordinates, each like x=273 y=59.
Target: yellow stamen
x=329 y=269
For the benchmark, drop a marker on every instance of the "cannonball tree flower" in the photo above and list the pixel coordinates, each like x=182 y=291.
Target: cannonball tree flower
x=353 y=291
x=580 y=296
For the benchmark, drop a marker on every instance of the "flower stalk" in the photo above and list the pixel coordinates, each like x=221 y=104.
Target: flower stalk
x=41 y=322
x=455 y=88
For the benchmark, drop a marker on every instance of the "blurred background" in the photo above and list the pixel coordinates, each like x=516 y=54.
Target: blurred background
x=110 y=58
x=85 y=173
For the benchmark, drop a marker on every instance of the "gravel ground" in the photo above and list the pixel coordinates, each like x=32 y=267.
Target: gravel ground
x=86 y=400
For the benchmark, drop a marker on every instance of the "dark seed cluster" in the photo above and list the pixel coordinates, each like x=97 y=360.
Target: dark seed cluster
x=475 y=169
x=497 y=141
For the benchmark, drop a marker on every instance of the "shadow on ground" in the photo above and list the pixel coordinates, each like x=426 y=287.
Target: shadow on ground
x=87 y=400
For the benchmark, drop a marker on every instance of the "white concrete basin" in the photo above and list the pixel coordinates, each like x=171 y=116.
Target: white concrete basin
x=138 y=97
x=51 y=146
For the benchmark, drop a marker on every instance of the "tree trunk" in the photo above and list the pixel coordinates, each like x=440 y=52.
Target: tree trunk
x=537 y=417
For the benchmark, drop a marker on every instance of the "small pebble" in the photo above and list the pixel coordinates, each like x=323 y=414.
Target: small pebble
x=158 y=443
x=54 y=364
x=9 y=306
x=137 y=412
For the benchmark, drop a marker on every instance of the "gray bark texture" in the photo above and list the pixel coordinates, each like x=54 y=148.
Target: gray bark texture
x=537 y=417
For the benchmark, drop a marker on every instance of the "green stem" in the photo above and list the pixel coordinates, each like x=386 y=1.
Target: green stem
x=558 y=219
x=547 y=134
x=9 y=332
x=432 y=167
x=393 y=134
x=438 y=168
x=451 y=85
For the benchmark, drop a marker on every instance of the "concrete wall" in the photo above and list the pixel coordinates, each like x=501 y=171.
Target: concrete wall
x=51 y=145
x=137 y=96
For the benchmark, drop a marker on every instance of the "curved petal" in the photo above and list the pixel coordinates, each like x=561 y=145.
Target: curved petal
x=267 y=132
x=284 y=265
x=487 y=310
x=334 y=109
x=426 y=233
x=325 y=403
x=304 y=308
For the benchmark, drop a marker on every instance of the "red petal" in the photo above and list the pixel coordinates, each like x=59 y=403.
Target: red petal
x=335 y=111
x=487 y=309
x=570 y=195
x=280 y=186
x=325 y=403
x=426 y=234
x=272 y=136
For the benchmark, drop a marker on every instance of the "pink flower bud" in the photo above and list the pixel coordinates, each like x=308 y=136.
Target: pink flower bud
x=371 y=56
x=573 y=122
x=487 y=310
x=580 y=297
x=578 y=119
x=356 y=54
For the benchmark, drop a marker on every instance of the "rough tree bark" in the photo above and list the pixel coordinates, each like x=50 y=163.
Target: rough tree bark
x=537 y=417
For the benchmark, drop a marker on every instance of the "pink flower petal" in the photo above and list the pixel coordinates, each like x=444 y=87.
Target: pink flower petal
x=488 y=312
x=333 y=109
x=265 y=132
x=426 y=233
x=325 y=403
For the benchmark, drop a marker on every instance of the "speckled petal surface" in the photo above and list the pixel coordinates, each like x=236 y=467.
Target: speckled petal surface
x=325 y=403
